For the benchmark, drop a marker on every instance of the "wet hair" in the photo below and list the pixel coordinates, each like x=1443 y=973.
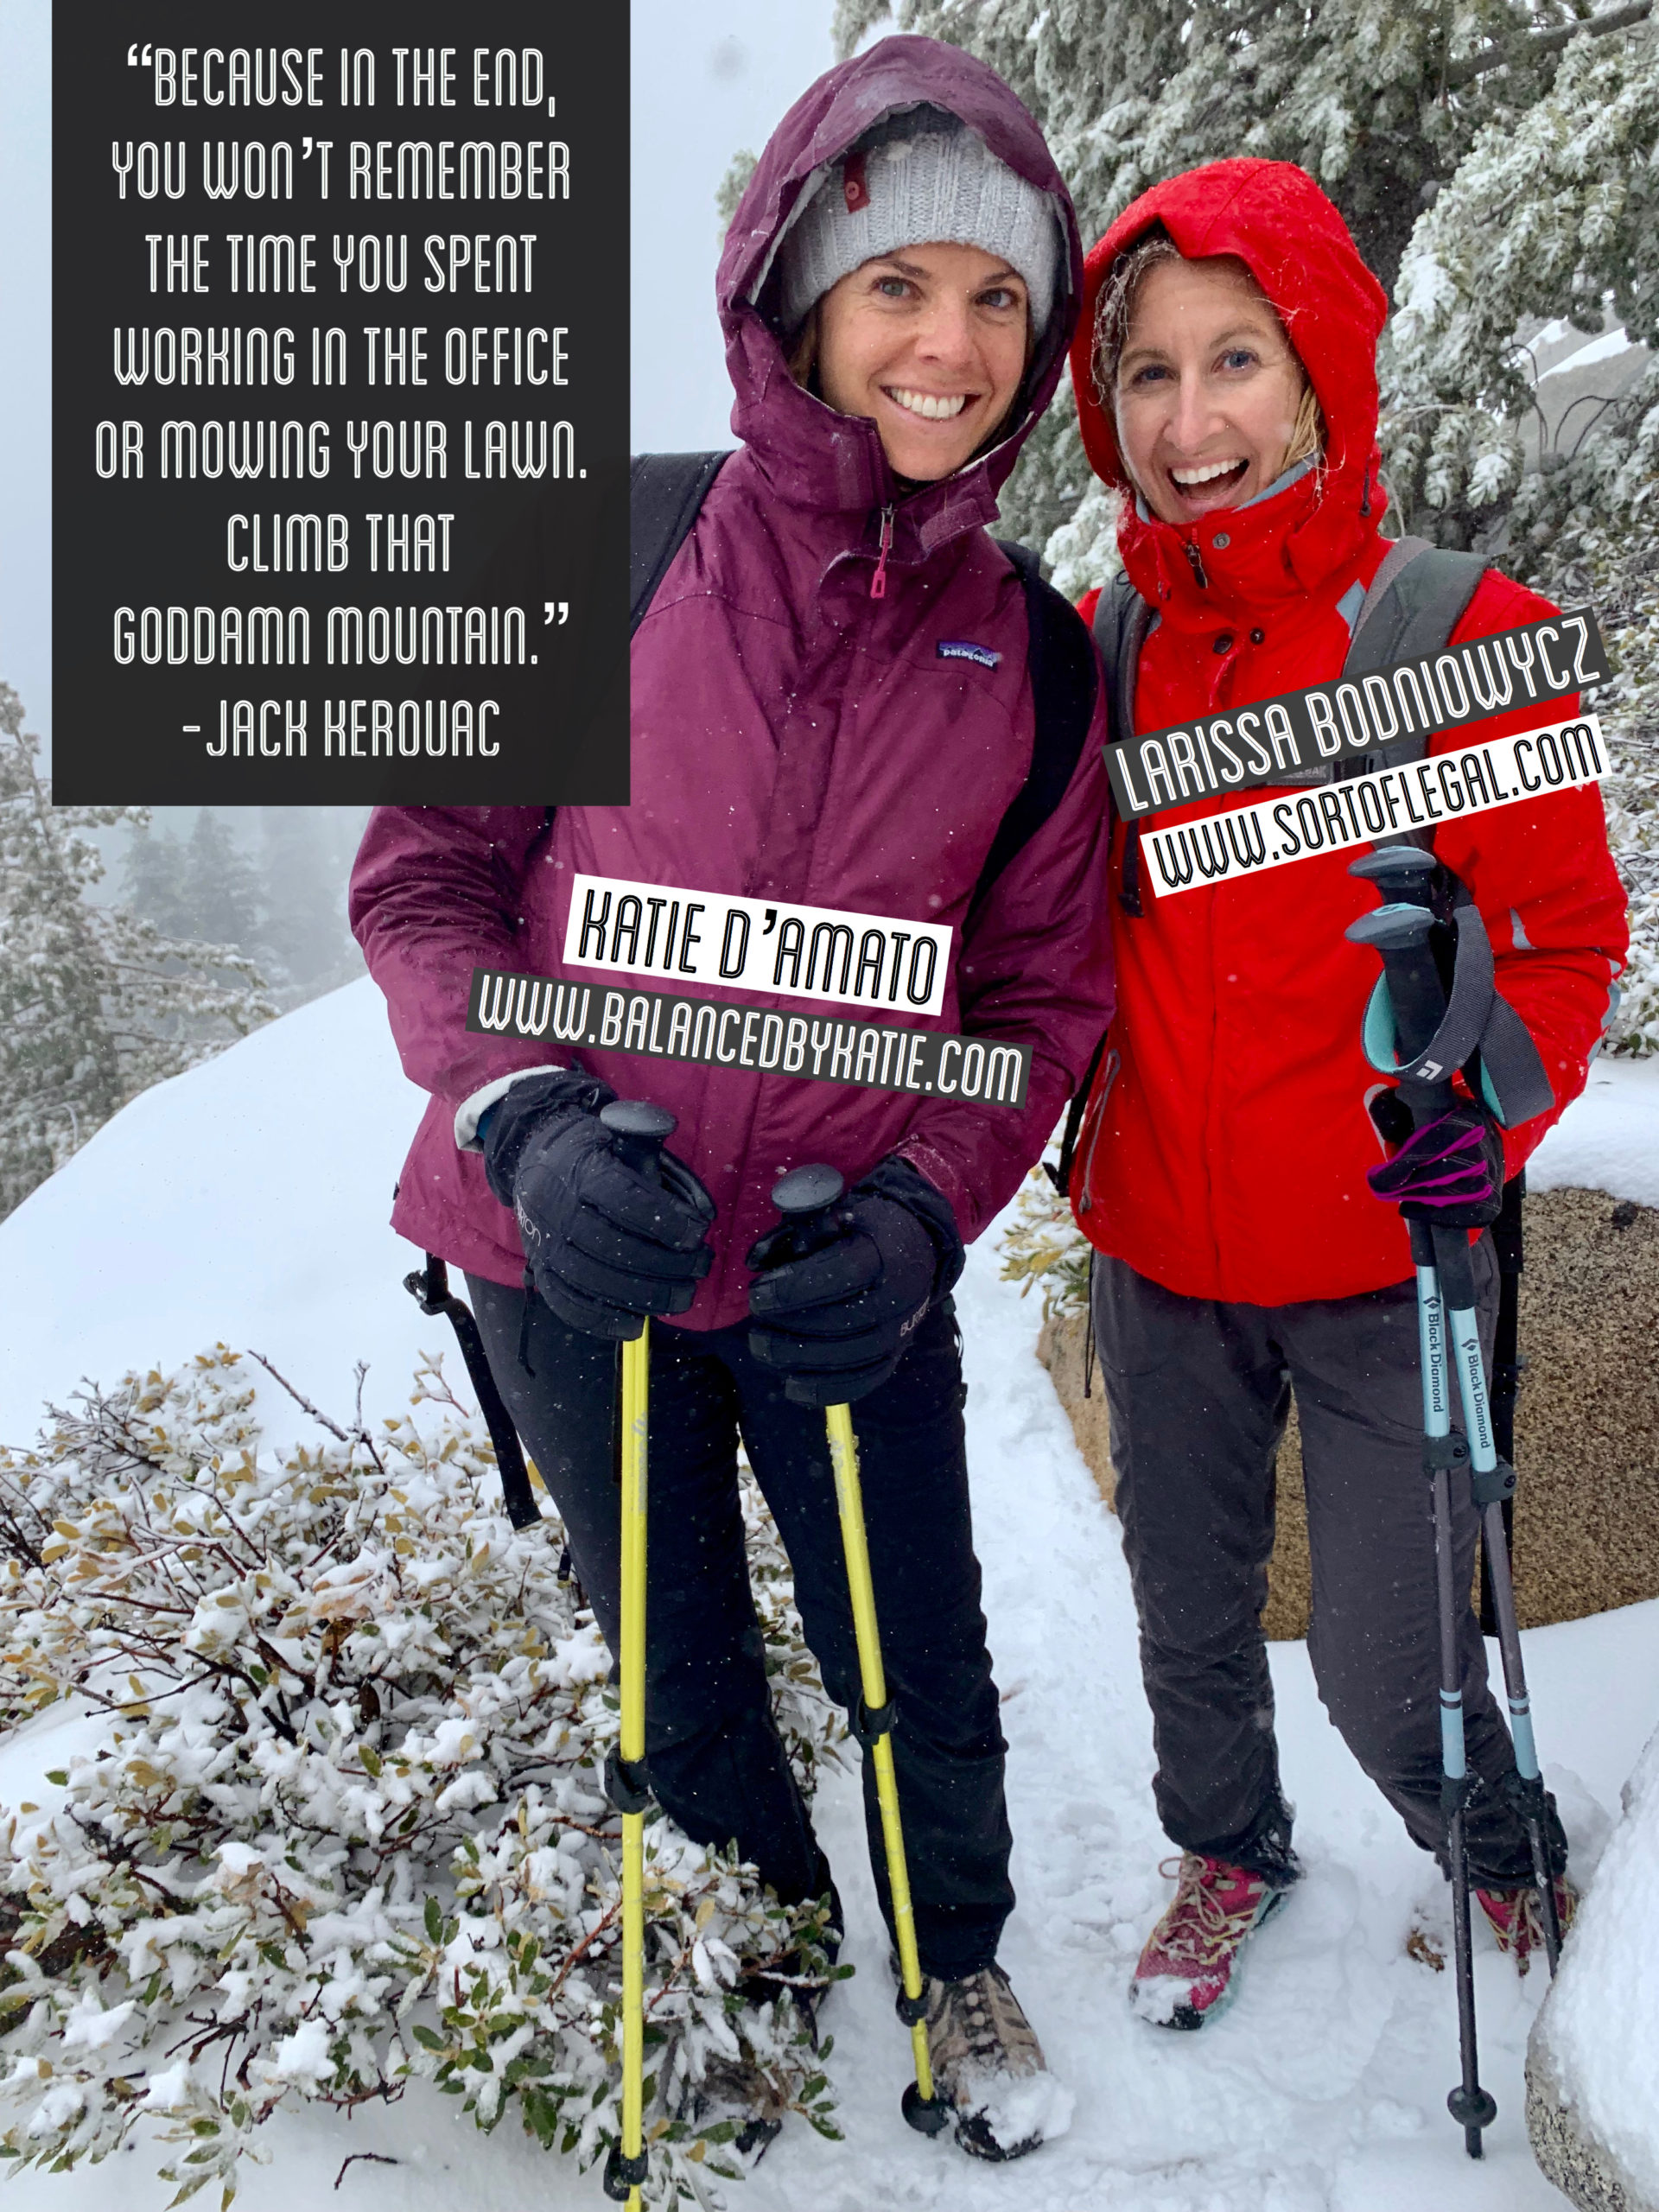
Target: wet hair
x=1114 y=313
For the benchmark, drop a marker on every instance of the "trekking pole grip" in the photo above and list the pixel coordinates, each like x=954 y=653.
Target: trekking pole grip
x=639 y=1130
x=1401 y=933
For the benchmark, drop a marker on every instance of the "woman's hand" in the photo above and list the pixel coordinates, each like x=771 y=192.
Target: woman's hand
x=1450 y=1171
x=605 y=1244
x=838 y=1299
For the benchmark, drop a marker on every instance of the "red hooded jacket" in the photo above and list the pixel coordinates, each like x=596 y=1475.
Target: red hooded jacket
x=1224 y=1150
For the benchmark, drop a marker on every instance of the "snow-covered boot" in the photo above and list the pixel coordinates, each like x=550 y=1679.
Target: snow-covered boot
x=1517 y=1922
x=988 y=2066
x=1185 y=1975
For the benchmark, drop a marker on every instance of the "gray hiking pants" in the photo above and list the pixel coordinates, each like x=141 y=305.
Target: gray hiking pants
x=1198 y=1393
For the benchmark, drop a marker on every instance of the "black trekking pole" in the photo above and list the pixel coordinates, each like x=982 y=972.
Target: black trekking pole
x=1400 y=931
x=1507 y=1365
x=1411 y=876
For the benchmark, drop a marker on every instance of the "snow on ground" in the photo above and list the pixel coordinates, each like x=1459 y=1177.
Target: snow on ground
x=247 y=1201
x=1608 y=1139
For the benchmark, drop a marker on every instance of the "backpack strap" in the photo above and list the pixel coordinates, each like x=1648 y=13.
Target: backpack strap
x=1060 y=664
x=429 y=1288
x=1414 y=601
x=1123 y=622
x=665 y=493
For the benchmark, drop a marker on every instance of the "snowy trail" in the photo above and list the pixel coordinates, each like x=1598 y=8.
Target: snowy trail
x=1322 y=2090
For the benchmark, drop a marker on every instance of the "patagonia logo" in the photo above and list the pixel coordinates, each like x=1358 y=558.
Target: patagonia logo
x=961 y=649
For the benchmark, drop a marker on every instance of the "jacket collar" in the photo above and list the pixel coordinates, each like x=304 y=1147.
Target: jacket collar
x=1305 y=536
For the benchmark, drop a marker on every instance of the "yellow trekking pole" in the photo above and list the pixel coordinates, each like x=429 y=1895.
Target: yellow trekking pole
x=801 y=1197
x=639 y=1130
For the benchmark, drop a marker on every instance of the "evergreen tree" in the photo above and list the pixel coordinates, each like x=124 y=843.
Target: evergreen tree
x=221 y=890
x=305 y=856
x=152 y=878
x=95 y=1005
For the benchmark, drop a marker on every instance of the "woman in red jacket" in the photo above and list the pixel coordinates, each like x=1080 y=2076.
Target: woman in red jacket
x=1225 y=367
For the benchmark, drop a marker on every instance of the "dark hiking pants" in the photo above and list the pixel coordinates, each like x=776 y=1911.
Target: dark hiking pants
x=1198 y=1393
x=716 y=1761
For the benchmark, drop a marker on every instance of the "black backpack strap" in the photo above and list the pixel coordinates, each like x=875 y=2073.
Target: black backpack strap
x=1416 y=600
x=1060 y=1172
x=1123 y=623
x=429 y=1287
x=1064 y=680
x=665 y=491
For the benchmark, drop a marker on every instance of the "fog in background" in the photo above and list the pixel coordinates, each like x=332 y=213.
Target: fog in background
x=271 y=881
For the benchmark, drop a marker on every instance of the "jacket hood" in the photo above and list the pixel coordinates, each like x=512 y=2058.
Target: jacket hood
x=808 y=451
x=1276 y=220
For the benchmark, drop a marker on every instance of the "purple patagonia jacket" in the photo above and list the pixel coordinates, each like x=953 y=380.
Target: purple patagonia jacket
x=793 y=738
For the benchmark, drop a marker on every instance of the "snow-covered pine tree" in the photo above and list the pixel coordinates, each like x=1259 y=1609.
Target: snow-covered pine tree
x=1379 y=99
x=152 y=878
x=1556 y=218
x=305 y=860
x=94 y=1004
x=222 y=892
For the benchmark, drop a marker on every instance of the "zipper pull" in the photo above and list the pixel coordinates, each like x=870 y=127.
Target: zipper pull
x=1192 y=555
x=878 y=581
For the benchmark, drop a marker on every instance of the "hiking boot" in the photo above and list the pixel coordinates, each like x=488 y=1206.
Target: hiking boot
x=1185 y=1975
x=988 y=2066
x=1517 y=1922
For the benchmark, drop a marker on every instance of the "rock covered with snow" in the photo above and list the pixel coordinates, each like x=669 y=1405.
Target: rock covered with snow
x=1592 y=2064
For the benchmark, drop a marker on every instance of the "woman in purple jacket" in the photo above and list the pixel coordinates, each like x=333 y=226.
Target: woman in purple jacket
x=898 y=289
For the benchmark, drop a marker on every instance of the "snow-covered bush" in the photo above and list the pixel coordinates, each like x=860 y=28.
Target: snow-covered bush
x=1043 y=1247
x=349 y=1825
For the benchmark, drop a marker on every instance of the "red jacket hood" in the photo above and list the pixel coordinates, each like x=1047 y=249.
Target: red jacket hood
x=1276 y=220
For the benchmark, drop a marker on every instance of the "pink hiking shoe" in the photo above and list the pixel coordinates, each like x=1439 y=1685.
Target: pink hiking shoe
x=1185 y=1973
x=1517 y=1922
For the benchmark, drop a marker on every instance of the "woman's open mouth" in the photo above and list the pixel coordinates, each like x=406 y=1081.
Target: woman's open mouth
x=1209 y=483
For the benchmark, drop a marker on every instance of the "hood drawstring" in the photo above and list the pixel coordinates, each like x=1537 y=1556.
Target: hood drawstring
x=878 y=581
x=1366 y=492
x=1194 y=557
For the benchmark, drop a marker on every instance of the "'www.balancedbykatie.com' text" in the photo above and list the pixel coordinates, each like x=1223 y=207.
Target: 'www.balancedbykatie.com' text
x=663 y=1025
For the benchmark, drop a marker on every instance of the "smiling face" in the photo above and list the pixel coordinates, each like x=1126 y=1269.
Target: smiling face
x=1208 y=388
x=930 y=343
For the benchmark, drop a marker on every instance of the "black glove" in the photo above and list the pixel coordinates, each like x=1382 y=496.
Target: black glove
x=839 y=1296
x=1449 y=1172
x=604 y=1245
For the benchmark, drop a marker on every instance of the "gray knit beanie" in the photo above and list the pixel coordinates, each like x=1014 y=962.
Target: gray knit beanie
x=918 y=178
